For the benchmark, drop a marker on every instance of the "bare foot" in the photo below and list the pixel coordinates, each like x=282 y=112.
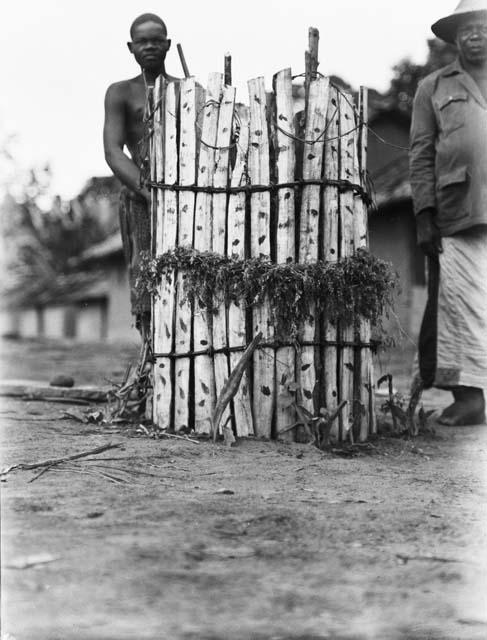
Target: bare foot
x=457 y=415
x=468 y=408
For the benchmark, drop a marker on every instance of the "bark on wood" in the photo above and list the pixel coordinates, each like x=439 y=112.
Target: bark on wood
x=264 y=382
x=364 y=393
x=183 y=61
x=330 y=243
x=236 y=247
x=348 y=154
x=228 y=70
x=220 y=339
x=165 y=239
x=309 y=230
x=286 y=229
x=187 y=175
x=311 y=60
x=204 y=375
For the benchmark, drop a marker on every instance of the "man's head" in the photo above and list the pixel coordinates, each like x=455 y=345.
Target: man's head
x=471 y=38
x=466 y=13
x=149 y=43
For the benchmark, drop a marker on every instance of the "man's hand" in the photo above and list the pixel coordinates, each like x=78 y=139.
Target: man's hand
x=428 y=234
x=145 y=192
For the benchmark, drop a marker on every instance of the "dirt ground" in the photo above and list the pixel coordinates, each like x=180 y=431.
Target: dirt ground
x=167 y=539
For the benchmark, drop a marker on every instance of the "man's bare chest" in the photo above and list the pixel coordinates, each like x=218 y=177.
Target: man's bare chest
x=135 y=109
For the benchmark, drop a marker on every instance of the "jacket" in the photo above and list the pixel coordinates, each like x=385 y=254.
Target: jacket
x=448 y=151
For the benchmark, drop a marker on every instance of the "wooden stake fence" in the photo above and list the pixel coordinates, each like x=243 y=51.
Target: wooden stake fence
x=239 y=181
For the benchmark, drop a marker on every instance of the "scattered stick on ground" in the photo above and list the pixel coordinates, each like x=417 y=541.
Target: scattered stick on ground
x=404 y=558
x=26 y=466
x=173 y=435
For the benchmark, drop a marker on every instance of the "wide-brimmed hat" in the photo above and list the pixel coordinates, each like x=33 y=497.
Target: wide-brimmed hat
x=446 y=28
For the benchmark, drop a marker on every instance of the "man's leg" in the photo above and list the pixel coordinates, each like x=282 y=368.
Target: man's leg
x=462 y=326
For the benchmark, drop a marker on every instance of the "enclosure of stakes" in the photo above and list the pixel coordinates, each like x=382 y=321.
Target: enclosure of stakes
x=248 y=181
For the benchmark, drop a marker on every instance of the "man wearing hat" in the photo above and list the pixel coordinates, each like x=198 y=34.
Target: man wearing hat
x=448 y=170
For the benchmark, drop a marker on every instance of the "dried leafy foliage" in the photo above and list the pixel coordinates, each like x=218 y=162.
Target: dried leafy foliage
x=360 y=285
x=317 y=428
x=404 y=419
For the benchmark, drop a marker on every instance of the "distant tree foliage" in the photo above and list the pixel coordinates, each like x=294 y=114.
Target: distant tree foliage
x=407 y=74
x=41 y=234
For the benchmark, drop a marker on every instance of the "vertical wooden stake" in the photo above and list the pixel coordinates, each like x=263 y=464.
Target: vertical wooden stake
x=187 y=172
x=228 y=70
x=237 y=336
x=285 y=240
x=220 y=179
x=264 y=382
x=348 y=155
x=183 y=61
x=365 y=393
x=309 y=228
x=165 y=239
x=311 y=58
x=331 y=209
x=204 y=375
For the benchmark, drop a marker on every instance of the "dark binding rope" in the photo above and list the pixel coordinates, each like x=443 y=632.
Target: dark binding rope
x=342 y=185
x=275 y=344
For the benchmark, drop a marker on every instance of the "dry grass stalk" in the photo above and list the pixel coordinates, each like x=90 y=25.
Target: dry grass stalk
x=128 y=400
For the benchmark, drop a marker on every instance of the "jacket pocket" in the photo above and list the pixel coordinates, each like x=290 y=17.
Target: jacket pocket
x=452 y=193
x=452 y=110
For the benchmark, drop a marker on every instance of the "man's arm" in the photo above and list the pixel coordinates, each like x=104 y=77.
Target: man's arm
x=422 y=170
x=114 y=139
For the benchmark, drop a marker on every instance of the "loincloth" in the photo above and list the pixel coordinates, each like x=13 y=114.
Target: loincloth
x=453 y=340
x=135 y=227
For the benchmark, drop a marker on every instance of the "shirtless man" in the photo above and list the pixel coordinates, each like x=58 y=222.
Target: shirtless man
x=125 y=106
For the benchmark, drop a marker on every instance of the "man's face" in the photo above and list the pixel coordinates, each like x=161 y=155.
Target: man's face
x=149 y=45
x=472 y=40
